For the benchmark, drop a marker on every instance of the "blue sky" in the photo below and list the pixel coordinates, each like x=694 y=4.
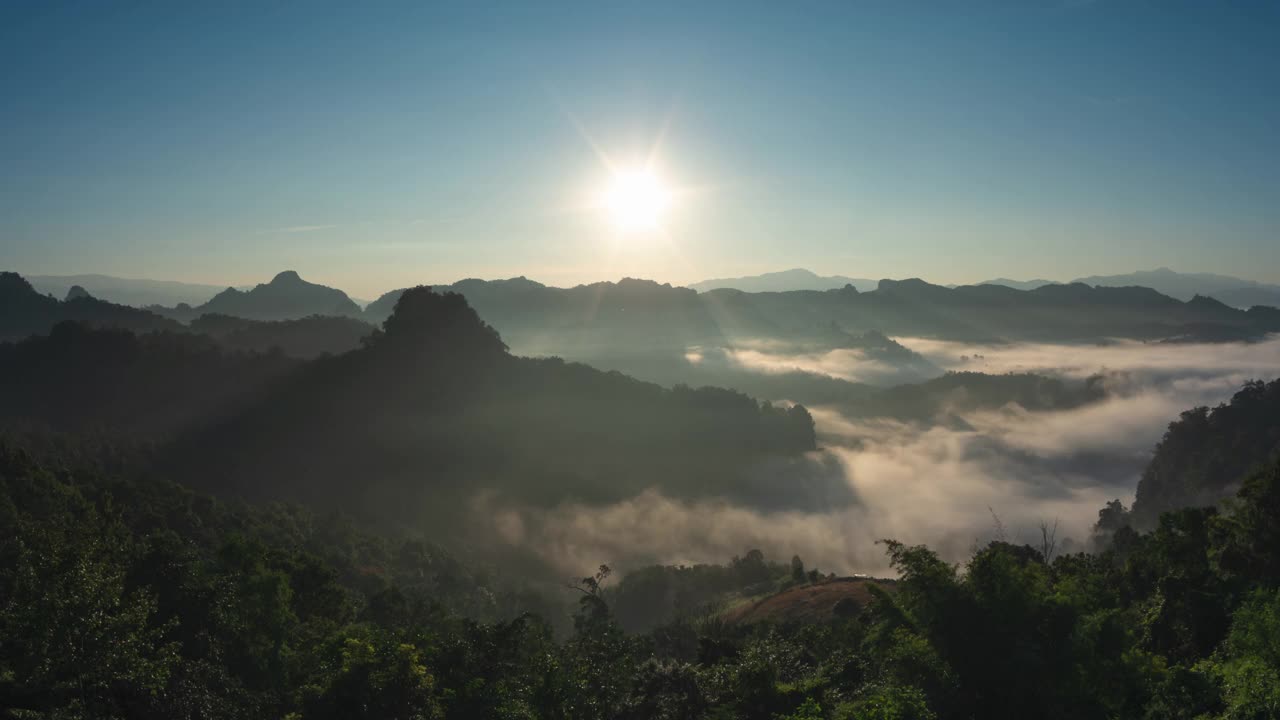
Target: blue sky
x=373 y=145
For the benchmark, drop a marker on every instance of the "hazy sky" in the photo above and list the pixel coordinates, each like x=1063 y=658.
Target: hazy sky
x=372 y=147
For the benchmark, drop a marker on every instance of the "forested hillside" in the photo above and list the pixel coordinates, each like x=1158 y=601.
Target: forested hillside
x=433 y=409
x=1206 y=452
x=135 y=598
x=306 y=338
x=135 y=582
x=425 y=414
x=112 y=381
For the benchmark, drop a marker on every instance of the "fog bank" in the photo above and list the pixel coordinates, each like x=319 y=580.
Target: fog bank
x=938 y=483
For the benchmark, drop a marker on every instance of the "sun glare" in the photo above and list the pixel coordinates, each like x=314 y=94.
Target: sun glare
x=636 y=200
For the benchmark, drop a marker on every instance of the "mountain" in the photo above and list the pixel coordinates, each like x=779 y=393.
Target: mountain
x=1059 y=313
x=1184 y=286
x=1206 y=453
x=286 y=297
x=1253 y=296
x=76 y=292
x=782 y=281
x=491 y=292
x=671 y=335
x=1019 y=284
x=1233 y=291
x=641 y=314
x=585 y=321
x=24 y=311
x=433 y=412
x=430 y=413
x=126 y=291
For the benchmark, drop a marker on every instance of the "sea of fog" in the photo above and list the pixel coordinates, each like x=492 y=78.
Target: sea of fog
x=952 y=484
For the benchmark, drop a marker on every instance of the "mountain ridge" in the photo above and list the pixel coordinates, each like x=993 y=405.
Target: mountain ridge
x=24 y=311
x=285 y=297
x=784 y=280
x=1233 y=291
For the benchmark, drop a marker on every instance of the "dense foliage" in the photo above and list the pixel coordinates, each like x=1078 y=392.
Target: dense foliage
x=150 y=385
x=306 y=337
x=137 y=598
x=124 y=593
x=1206 y=452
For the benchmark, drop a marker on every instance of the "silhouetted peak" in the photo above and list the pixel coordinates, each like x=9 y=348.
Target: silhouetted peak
x=442 y=323
x=515 y=283
x=288 y=277
x=909 y=285
x=522 y=282
x=1064 y=290
x=792 y=274
x=76 y=292
x=11 y=283
x=631 y=283
x=1205 y=302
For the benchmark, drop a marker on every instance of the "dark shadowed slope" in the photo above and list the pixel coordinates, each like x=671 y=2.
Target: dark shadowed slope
x=24 y=312
x=115 y=382
x=305 y=338
x=433 y=411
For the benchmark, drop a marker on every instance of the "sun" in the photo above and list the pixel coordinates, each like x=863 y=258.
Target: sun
x=636 y=199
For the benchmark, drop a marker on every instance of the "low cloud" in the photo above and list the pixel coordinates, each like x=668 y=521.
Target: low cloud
x=845 y=364
x=1148 y=361
x=936 y=483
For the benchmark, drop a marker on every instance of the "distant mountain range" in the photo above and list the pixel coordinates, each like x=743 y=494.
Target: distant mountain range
x=126 y=291
x=645 y=328
x=1230 y=290
x=785 y=280
x=26 y=312
x=632 y=313
x=286 y=297
x=1018 y=284
x=1234 y=291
